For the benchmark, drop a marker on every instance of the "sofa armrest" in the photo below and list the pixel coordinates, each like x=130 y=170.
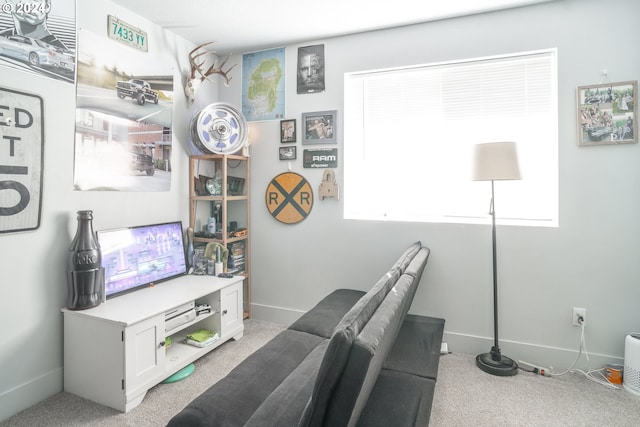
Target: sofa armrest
x=322 y=319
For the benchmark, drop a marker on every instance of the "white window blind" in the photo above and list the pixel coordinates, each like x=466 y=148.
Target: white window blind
x=409 y=136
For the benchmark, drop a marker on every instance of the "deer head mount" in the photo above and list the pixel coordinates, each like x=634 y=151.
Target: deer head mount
x=199 y=74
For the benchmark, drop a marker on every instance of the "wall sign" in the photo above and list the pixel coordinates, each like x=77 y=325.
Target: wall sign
x=21 y=160
x=320 y=158
x=127 y=34
x=289 y=198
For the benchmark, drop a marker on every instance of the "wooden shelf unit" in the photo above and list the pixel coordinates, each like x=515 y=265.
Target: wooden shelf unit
x=235 y=207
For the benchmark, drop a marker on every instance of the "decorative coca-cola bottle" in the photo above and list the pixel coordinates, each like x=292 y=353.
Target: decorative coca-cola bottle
x=85 y=275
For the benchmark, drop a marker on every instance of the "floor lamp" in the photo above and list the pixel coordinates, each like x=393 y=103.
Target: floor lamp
x=495 y=161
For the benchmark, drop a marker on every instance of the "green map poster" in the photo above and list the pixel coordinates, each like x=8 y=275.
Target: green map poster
x=263 y=85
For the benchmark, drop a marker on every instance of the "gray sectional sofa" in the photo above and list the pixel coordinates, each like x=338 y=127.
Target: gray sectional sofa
x=355 y=359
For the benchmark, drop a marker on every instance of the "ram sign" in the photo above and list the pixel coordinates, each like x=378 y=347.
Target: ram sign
x=320 y=158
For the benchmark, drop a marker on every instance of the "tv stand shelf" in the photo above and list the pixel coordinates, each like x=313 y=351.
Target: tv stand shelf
x=115 y=352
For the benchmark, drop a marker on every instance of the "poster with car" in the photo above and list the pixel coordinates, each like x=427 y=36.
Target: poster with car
x=39 y=37
x=124 y=110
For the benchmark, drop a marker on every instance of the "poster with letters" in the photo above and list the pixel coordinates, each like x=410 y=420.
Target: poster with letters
x=21 y=160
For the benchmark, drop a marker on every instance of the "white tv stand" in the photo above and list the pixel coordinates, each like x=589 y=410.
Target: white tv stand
x=115 y=352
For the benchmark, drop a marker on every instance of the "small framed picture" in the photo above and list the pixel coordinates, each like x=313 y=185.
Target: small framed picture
x=319 y=127
x=288 y=131
x=287 y=153
x=607 y=114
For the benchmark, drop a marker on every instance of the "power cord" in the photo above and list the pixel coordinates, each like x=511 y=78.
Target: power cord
x=582 y=346
x=594 y=375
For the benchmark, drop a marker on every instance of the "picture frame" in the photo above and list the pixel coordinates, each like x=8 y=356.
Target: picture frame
x=287 y=153
x=235 y=186
x=288 y=132
x=319 y=127
x=310 y=72
x=607 y=114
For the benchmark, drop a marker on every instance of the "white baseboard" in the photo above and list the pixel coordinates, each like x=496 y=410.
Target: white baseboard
x=279 y=315
x=554 y=358
x=28 y=394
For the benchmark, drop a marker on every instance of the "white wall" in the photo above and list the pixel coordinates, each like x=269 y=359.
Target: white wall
x=589 y=261
x=33 y=287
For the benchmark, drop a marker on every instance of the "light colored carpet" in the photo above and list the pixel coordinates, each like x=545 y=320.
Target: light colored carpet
x=467 y=396
x=161 y=402
x=464 y=396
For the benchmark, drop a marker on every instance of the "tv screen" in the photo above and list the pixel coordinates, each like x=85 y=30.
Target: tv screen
x=136 y=257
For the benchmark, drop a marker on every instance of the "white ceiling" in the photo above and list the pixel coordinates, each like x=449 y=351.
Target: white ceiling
x=239 y=26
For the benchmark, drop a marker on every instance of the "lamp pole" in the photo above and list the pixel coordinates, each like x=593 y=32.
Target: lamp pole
x=496 y=347
x=494 y=362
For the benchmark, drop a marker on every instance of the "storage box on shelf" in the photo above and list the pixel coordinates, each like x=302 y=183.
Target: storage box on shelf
x=219 y=188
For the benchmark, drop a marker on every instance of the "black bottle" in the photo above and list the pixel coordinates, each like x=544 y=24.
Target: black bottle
x=85 y=275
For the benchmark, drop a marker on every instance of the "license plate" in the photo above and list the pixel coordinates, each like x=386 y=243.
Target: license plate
x=127 y=34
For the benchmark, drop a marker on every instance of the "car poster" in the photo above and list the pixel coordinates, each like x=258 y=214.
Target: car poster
x=39 y=37
x=124 y=111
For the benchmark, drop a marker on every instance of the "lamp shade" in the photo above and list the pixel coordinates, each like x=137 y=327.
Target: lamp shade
x=495 y=161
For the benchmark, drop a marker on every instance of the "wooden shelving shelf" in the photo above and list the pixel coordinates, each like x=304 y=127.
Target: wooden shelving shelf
x=234 y=207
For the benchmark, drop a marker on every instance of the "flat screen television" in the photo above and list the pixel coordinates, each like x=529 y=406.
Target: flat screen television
x=140 y=256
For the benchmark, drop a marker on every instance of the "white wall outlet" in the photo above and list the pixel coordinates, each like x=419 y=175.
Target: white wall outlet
x=577 y=314
x=444 y=348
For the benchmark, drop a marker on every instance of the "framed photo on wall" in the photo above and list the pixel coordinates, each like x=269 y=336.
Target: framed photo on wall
x=310 y=69
x=607 y=114
x=288 y=131
x=319 y=127
x=287 y=153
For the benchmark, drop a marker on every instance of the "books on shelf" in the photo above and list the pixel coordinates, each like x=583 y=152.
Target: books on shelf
x=202 y=338
x=236 y=262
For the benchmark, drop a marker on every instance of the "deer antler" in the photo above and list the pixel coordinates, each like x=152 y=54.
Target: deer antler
x=213 y=69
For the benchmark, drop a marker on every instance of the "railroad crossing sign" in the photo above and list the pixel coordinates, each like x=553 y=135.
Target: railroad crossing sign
x=289 y=198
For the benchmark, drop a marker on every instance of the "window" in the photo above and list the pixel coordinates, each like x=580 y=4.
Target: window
x=409 y=136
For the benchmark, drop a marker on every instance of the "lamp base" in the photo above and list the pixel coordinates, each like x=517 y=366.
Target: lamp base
x=497 y=364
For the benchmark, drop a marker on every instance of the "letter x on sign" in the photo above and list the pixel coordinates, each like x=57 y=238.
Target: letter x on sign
x=289 y=198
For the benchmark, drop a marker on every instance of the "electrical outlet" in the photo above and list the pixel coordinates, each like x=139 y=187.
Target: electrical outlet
x=577 y=313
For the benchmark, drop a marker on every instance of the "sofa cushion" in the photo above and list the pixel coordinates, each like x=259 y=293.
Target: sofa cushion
x=398 y=399
x=333 y=362
x=322 y=319
x=405 y=259
x=233 y=399
x=358 y=316
x=416 y=265
x=324 y=316
x=367 y=355
x=285 y=405
x=339 y=347
x=417 y=347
